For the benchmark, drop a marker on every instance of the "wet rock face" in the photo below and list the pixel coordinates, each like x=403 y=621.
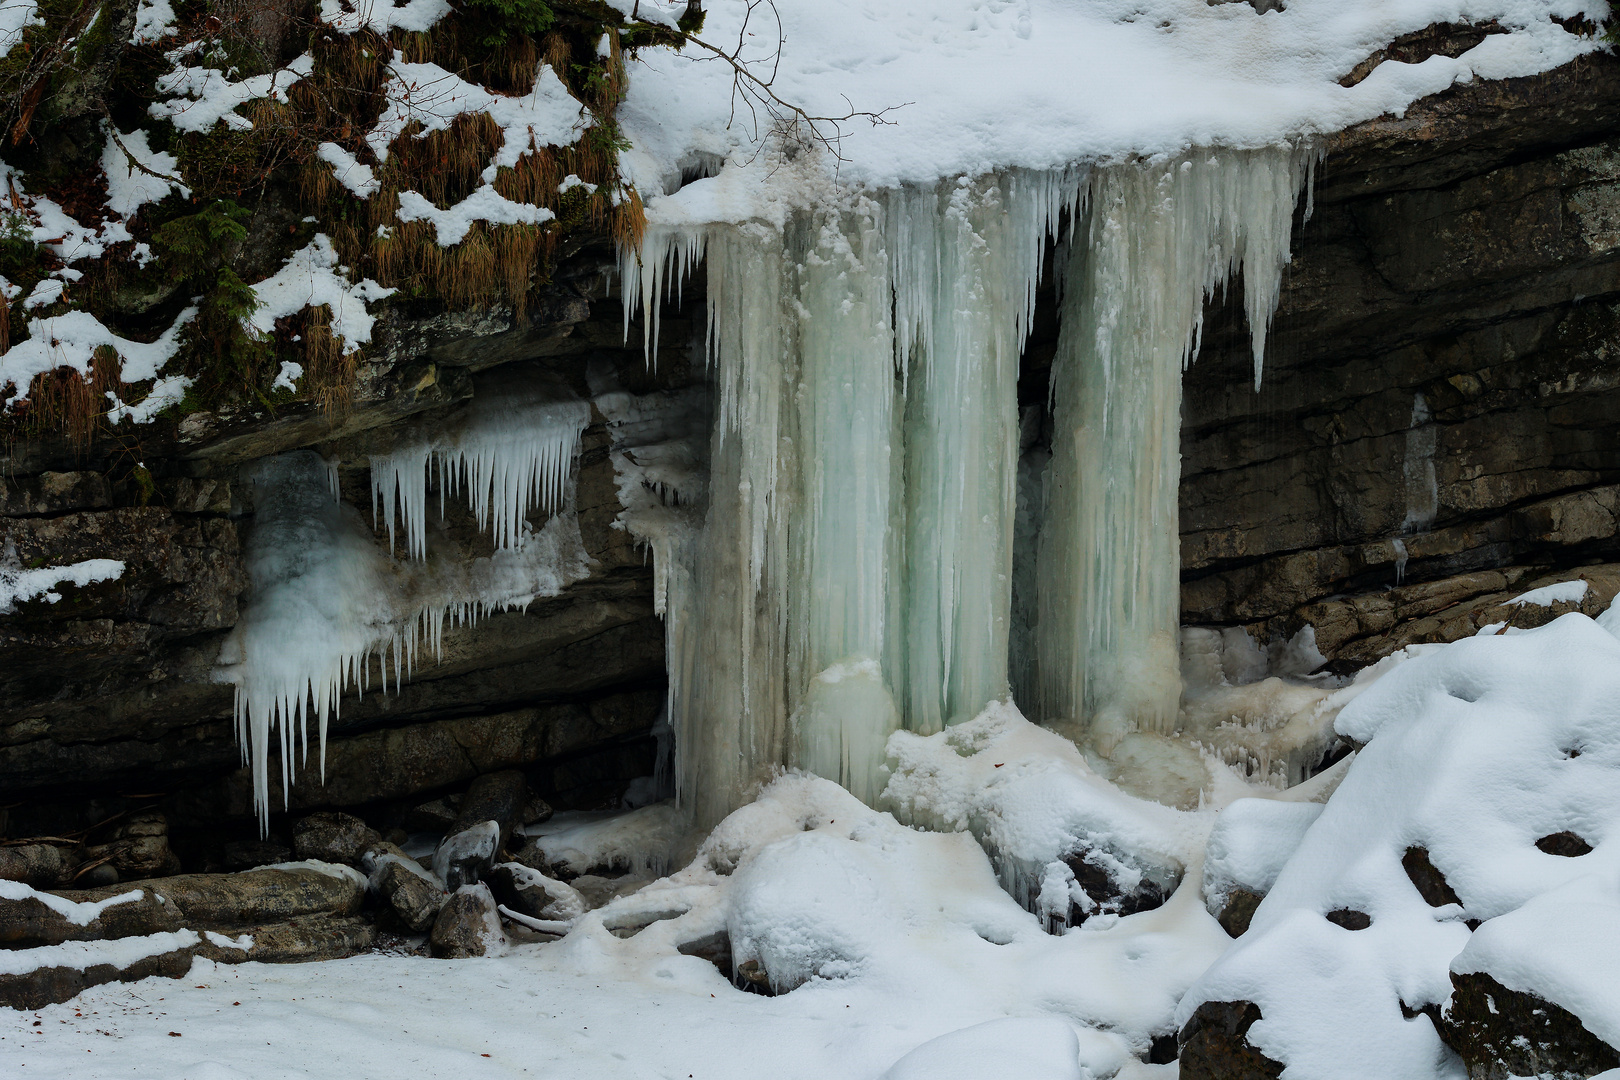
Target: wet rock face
x=1501 y=1033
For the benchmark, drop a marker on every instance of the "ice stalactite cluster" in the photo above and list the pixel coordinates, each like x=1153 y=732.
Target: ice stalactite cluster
x=852 y=572
x=507 y=452
x=330 y=608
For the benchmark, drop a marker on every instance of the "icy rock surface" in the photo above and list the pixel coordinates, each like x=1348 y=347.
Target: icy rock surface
x=1474 y=752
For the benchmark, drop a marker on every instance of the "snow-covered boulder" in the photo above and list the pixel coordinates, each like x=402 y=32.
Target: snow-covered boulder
x=1474 y=752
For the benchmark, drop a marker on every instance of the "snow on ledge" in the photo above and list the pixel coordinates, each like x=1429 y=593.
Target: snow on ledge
x=382 y=16
x=17 y=585
x=310 y=278
x=1563 y=592
x=75 y=912
x=486 y=204
x=79 y=955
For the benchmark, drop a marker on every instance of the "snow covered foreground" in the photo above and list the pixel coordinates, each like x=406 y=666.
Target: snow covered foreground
x=902 y=936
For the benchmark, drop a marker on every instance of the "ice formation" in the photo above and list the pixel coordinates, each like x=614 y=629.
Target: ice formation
x=509 y=451
x=330 y=608
x=1158 y=239
x=853 y=572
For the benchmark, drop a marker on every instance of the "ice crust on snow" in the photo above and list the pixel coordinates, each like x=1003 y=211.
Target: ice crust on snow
x=76 y=912
x=1473 y=751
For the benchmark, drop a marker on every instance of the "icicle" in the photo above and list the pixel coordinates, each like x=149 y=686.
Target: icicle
x=1160 y=237
x=509 y=451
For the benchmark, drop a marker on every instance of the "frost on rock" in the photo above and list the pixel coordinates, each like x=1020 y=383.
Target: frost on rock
x=1475 y=751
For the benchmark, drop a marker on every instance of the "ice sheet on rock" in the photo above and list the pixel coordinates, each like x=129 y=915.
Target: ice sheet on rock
x=18 y=585
x=75 y=912
x=476 y=844
x=638 y=841
x=1474 y=751
x=511 y=449
x=1030 y=1049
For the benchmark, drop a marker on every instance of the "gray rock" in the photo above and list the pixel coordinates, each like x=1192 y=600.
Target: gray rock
x=333 y=837
x=412 y=894
x=435 y=815
x=247 y=854
x=468 y=925
x=257 y=897
x=295 y=941
x=1215 y=1046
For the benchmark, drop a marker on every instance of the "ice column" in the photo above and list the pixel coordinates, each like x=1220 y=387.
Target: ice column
x=1157 y=239
x=846 y=548
x=967 y=258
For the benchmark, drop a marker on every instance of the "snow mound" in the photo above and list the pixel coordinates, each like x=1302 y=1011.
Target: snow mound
x=1029 y=1049
x=1252 y=841
x=1474 y=752
x=1029 y=797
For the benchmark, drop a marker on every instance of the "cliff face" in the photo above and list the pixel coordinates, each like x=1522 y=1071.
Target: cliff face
x=1436 y=424
x=1437 y=413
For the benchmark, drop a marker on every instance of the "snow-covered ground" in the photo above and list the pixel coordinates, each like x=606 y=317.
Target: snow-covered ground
x=882 y=937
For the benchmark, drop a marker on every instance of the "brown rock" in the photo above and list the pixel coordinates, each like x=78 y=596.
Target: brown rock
x=1501 y=1033
x=1214 y=1044
x=32 y=921
x=333 y=837
x=468 y=925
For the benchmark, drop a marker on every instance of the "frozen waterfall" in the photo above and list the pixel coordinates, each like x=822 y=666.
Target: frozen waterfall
x=852 y=570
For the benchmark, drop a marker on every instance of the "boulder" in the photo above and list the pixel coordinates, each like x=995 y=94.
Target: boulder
x=257 y=897
x=247 y=854
x=435 y=815
x=31 y=918
x=1118 y=883
x=529 y=892
x=468 y=925
x=399 y=882
x=299 y=940
x=34 y=864
x=1501 y=1033
x=333 y=837
x=1237 y=911
x=465 y=857
x=1214 y=1044
x=501 y=797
